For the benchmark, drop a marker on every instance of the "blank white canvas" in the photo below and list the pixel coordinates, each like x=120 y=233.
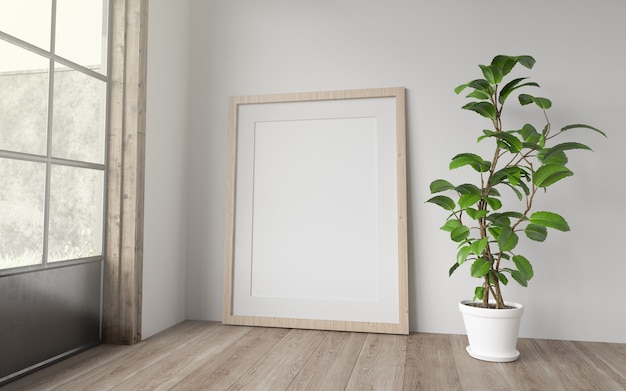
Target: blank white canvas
x=315 y=209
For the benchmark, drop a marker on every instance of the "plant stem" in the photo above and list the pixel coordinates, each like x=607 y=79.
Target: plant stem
x=491 y=284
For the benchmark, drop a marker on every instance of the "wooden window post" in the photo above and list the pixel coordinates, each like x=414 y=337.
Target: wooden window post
x=125 y=176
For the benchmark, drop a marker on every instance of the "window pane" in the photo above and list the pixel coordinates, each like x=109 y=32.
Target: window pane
x=14 y=59
x=78 y=120
x=23 y=100
x=21 y=212
x=81 y=32
x=28 y=20
x=75 y=229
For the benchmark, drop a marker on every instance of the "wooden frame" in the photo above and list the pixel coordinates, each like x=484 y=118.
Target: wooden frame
x=316 y=232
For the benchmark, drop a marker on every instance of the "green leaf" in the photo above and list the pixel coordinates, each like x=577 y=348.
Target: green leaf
x=499 y=220
x=523 y=266
x=506 y=140
x=553 y=158
x=502 y=219
x=510 y=174
x=502 y=255
x=550 y=220
x=440 y=185
x=462 y=254
x=559 y=148
x=548 y=174
x=479 y=94
x=530 y=134
x=485 y=109
x=507 y=239
x=508 y=62
x=543 y=103
x=493 y=74
x=508 y=87
x=473 y=160
x=583 y=126
x=512 y=214
x=525 y=99
x=453 y=268
x=492 y=192
x=467 y=188
x=495 y=231
x=487 y=133
x=493 y=203
x=478 y=84
x=479 y=293
x=479 y=246
x=460 y=88
x=519 y=277
x=480 y=268
x=536 y=232
x=540 y=143
x=526 y=61
x=467 y=200
x=512 y=86
x=510 y=142
x=504 y=63
x=451 y=225
x=475 y=214
x=445 y=202
x=502 y=278
x=459 y=234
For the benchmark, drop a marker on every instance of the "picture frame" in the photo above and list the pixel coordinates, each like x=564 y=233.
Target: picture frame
x=316 y=225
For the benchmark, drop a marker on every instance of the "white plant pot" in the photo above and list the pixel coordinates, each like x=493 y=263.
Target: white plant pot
x=492 y=333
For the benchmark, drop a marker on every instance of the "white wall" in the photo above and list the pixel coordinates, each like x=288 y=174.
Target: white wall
x=165 y=239
x=245 y=47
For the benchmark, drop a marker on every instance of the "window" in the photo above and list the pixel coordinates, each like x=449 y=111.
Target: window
x=53 y=114
x=59 y=151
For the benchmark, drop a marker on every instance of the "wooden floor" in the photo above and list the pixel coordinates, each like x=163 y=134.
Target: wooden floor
x=198 y=355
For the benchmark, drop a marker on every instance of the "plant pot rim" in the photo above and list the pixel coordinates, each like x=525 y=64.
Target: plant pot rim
x=516 y=311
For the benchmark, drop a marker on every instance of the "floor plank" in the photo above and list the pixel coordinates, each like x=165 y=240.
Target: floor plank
x=578 y=371
x=141 y=356
x=531 y=371
x=174 y=368
x=480 y=375
x=329 y=368
x=610 y=355
x=197 y=355
x=225 y=369
x=430 y=364
x=280 y=366
x=79 y=368
x=380 y=365
x=66 y=371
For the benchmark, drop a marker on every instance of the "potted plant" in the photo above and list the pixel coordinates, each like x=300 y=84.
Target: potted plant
x=485 y=223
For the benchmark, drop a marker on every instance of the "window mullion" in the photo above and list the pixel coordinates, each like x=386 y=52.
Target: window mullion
x=46 y=221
